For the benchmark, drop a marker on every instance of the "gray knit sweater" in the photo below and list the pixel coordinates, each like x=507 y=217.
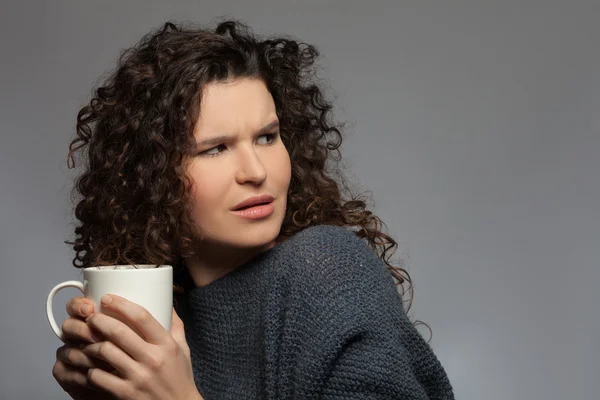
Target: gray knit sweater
x=316 y=317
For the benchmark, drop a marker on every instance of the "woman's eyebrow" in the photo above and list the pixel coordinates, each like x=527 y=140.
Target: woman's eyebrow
x=223 y=138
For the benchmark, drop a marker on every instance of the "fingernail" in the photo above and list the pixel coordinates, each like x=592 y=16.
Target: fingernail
x=106 y=299
x=86 y=309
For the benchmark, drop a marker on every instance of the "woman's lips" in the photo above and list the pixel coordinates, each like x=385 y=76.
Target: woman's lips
x=256 y=212
x=253 y=201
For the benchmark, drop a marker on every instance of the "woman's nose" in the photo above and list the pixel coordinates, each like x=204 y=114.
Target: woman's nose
x=251 y=168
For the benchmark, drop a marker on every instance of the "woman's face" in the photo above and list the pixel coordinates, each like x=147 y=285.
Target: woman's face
x=239 y=155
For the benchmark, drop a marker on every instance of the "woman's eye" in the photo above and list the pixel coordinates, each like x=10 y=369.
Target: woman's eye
x=217 y=150
x=214 y=151
x=270 y=138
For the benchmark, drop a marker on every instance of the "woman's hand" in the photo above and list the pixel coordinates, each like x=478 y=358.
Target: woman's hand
x=71 y=366
x=150 y=362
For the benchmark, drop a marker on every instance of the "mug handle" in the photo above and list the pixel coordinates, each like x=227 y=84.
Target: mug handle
x=75 y=284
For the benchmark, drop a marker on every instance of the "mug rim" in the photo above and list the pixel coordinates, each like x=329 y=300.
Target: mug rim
x=144 y=267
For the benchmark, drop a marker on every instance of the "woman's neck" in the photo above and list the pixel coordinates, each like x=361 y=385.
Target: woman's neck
x=213 y=261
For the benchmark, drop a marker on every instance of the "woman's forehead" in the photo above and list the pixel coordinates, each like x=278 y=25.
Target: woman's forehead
x=234 y=107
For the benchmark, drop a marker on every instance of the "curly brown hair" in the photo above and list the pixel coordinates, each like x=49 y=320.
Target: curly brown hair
x=138 y=130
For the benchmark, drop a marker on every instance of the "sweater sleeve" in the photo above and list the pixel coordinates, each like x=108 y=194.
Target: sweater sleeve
x=359 y=343
x=371 y=367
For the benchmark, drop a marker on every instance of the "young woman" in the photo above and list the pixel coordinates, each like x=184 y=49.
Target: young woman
x=212 y=151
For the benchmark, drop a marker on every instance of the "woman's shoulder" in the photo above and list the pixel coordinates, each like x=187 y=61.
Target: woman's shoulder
x=333 y=275
x=326 y=237
x=326 y=234
x=327 y=244
x=325 y=256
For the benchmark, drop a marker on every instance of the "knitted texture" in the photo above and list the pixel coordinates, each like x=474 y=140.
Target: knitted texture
x=315 y=317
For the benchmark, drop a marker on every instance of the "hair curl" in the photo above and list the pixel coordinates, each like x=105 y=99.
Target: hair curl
x=138 y=131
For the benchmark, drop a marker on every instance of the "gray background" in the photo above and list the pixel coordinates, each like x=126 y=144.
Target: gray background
x=474 y=123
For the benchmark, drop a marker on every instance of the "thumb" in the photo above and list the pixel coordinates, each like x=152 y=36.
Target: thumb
x=178 y=332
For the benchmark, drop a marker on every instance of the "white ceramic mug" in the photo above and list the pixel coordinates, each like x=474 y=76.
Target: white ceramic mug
x=147 y=285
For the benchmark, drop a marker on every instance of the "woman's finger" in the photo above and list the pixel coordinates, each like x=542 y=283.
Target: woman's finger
x=68 y=376
x=75 y=380
x=110 y=383
x=78 y=330
x=113 y=355
x=117 y=332
x=79 y=307
x=137 y=317
x=75 y=357
x=178 y=333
